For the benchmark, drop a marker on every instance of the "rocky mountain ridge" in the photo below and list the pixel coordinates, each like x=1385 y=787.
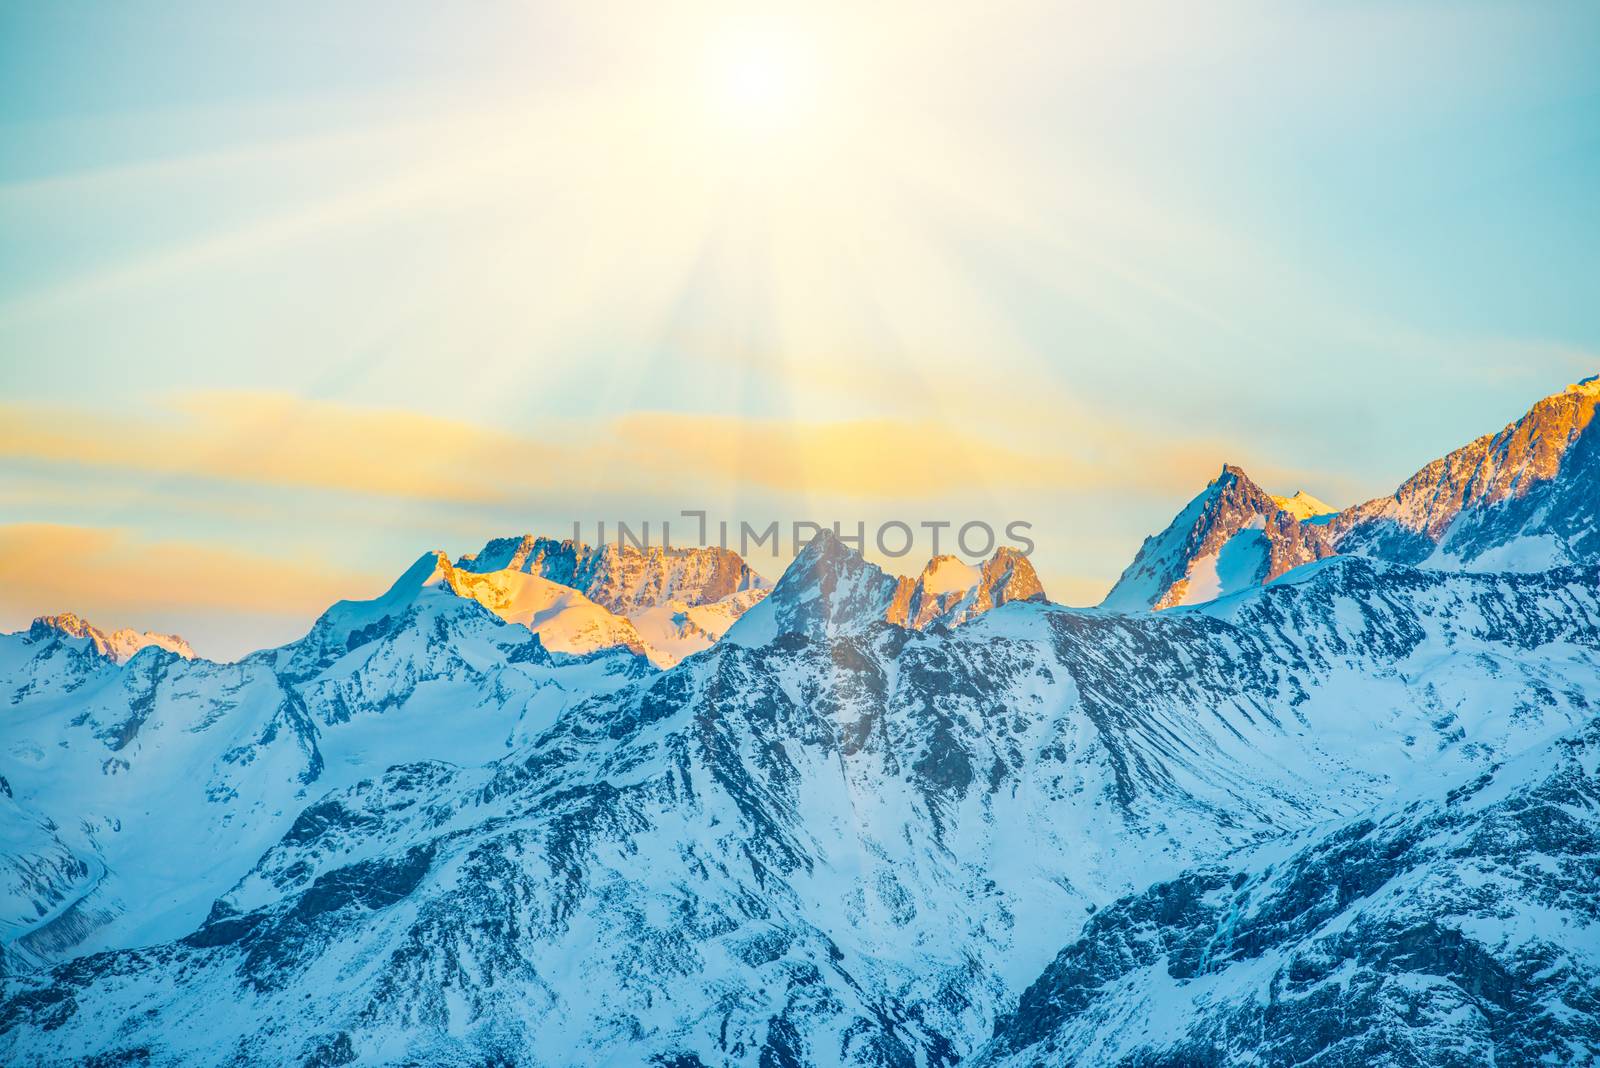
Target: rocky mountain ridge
x=1522 y=499
x=119 y=645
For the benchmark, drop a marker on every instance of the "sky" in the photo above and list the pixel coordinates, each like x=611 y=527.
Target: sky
x=292 y=293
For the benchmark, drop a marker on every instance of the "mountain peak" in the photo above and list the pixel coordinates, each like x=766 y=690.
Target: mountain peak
x=1231 y=535
x=828 y=589
x=118 y=646
x=623 y=579
x=831 y=588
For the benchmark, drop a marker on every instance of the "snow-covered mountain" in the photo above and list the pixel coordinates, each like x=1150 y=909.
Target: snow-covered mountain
x=1234 y=535
x=623 y=579
x=949 y=592
x=102 y=754
x=568 y=623
x=834 y=839
x=1303 y=505
x=676 y=601
x=1523 y=499
x=115 y=645
x=830 y=589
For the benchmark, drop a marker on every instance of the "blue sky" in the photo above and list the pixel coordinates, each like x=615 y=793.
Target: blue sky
x=291 y=295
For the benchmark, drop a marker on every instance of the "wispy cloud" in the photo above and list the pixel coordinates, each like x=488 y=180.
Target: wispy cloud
x=276 y=439
x=116 y=578
x=272 y=439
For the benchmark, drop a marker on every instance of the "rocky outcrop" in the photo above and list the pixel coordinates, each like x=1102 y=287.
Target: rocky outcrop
x=1233 y=536
x=625 y=579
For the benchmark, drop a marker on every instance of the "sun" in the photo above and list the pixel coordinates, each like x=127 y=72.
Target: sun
x=764 y=80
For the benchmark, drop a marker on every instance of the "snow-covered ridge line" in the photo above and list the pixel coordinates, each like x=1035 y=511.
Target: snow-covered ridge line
x=118 y=646
x=1523 y=499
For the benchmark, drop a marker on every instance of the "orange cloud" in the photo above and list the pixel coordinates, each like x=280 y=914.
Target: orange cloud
x=895 y=458
x=1018 y=440
x=108 y=574
x=273 y=439
x=279 y=439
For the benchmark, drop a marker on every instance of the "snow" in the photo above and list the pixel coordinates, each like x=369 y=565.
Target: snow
x=1303 y=506
x=1525 y=554
x=120 y=645
x=947 y=574
x=678 y=629
x=1237 y=566
x=566 y=621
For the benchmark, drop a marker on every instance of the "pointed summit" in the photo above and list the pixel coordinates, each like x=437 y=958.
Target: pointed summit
x=828 y=589
x=950 y=592
x=1232 y=535
x=831 y=589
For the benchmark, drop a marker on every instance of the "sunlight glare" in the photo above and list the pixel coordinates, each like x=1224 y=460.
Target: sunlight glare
x=765 y=80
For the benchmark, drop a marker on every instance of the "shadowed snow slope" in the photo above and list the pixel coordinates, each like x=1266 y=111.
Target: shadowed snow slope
x=1456 y=930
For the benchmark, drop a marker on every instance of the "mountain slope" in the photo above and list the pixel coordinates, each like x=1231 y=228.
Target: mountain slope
x=1455 y=930
x=1234 y=535
x=163 y=779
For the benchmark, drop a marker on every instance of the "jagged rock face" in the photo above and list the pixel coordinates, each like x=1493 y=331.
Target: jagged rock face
x=1521 y=499
x=1524 y=499
x=949 y=593
x=624 y=580
x=1457 y=930
x=830 y=589
x=118 y=646
x=847 y=843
